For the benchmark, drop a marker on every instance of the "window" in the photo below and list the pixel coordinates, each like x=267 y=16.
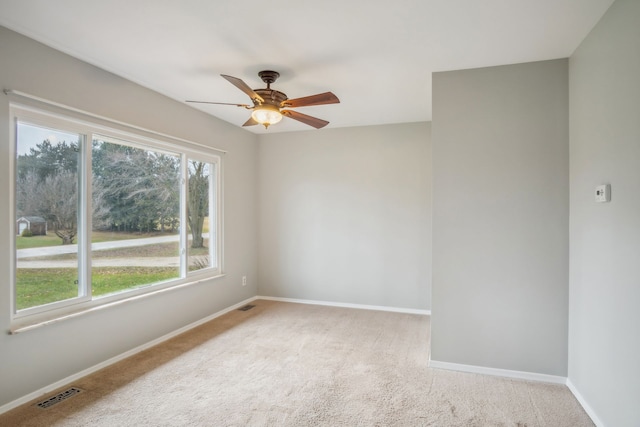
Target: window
x=200 y=214
x=102 y=214
x=47 y=183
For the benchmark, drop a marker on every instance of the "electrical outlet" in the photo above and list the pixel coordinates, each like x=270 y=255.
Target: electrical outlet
x=244 y=280
x=603 y=193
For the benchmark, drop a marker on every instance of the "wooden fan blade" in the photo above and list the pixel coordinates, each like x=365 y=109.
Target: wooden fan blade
x=308 y=120
x=250 y=122
x=244 y=87
x=319 y=99
x=220 y=103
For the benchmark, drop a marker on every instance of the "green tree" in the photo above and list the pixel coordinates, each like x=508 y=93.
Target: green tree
x=47 y=159
x=47 y=186
x=198 y=201
x=138 y=190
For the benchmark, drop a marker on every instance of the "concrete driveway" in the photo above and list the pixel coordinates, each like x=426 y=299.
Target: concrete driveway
x=71 y=249
x=173 y=261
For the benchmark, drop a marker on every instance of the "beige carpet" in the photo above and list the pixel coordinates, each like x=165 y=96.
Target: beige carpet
x=283 y=364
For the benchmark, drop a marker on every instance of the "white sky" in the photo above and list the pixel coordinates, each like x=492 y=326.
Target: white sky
x=29 y=136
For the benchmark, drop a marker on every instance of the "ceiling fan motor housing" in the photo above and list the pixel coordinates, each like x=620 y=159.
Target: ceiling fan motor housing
x=270 y=96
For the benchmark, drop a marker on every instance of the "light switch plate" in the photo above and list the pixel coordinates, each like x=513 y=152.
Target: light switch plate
x=603 y=193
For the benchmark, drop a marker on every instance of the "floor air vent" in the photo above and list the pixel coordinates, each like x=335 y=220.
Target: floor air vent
x=246 y=307
x=59 y=397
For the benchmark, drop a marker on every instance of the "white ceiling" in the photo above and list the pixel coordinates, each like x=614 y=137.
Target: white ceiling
x=376 y=56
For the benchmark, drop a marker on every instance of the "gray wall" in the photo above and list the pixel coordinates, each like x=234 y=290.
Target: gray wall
x=40 y=357
x=345 y=215
x=604 y=322
x=500 y=217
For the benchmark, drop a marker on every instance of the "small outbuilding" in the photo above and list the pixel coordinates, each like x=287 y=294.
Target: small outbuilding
x=36 y=224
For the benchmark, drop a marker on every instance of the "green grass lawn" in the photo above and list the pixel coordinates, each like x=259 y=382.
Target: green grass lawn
x=37 y=241
x=42 y=286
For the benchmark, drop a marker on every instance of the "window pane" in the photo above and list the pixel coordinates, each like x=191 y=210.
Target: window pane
x=202 y=244
x=47 y=185
x=136 y=217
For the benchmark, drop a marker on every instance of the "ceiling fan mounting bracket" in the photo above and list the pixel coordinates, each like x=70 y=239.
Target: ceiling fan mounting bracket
x=269 y=76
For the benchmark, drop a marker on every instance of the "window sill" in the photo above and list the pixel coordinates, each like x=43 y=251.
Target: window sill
x=27 y=326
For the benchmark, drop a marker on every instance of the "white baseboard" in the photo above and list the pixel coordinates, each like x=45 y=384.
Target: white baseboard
x=349 y=305
x=587 y=408
x=432 y=363
x=68 y=380
x=530 y=376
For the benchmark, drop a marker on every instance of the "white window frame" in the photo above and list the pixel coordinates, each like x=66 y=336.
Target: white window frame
x=134 y=137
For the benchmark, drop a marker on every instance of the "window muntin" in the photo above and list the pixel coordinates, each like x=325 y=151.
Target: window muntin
x=161 y=169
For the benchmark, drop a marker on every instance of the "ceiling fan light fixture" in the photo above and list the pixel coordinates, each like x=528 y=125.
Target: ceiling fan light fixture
x=266 y=115
x=267 y=102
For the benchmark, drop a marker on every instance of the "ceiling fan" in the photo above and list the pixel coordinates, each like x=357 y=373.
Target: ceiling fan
x=269 y=104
